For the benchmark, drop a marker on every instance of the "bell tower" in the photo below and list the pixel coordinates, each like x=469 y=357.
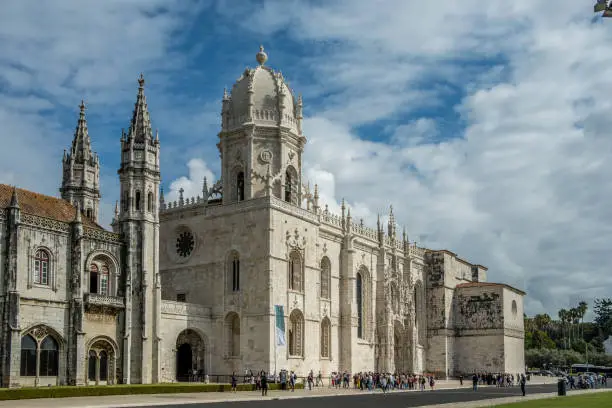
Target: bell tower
x=261 y=141
x=138 y=223
x=81 y=171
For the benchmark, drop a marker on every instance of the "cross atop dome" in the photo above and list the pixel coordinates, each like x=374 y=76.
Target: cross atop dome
x=261 y=56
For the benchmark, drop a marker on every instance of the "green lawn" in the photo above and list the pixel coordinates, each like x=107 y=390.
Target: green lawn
x=598 y=400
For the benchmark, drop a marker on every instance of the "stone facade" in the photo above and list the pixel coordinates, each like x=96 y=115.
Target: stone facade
x=194 y=284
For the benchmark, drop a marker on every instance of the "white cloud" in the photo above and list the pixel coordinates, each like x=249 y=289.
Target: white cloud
x=192 y=185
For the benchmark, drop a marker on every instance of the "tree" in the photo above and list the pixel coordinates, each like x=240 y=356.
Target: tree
x=582 y=309
x=563 y=315
x=603 y=315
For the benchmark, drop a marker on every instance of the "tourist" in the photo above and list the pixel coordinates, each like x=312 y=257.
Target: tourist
x=523 y=382
x=264 y=384
x=475 y=382
x=310 y=380
x=234 y=382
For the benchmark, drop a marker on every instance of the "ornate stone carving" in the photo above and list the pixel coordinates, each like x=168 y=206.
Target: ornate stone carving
x=295 y=240
x=265 y=156
x=101 y=235
x=45 y=223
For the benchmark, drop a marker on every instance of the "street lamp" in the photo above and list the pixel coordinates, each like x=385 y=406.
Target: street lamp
x=605 y=6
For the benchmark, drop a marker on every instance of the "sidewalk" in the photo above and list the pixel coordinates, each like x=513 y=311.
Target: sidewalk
x=499 y=401
x=125 y=401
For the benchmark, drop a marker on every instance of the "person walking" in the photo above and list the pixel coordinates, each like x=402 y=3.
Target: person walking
x=264 y=384
x=234 y=382
x=475 y=382
x=523 y=382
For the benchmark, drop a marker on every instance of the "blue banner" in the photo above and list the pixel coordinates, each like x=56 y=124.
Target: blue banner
x=280 y=325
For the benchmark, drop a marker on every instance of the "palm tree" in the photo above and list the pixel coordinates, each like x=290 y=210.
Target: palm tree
x=563 y=318
x=582 y=309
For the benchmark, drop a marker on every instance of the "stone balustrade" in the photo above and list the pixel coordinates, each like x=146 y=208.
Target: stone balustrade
x=95 y=299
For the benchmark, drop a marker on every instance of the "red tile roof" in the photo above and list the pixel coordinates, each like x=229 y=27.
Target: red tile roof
x=484 y=284
x=42 y=205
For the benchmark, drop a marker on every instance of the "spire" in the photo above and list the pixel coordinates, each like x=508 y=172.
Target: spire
x=205 y=189
x=140 y=126
x=391 y=225
x=162 y=200
x=81 y=144
x=14 y=199
x=117 y=209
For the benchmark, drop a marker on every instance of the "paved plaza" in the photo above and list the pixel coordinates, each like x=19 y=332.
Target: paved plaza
x=447 y=393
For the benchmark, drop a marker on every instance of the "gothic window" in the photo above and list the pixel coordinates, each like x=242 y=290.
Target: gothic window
x=39 y=359
x=91 y=369
x=28 y=356
x=325 y=338
x=288 y=186
x=232 y=325
x=103 y=366
x=359 y=298
x=89 y=213
x=104 y=280
x=296 y=334
x=40 y=274
x=138 y=201
x=240 y=186
x=99 y=278
x=235 y=270
x=295 y=271
x=150 y=202
x=49 y=357
x=325 y=278
x=93 y=278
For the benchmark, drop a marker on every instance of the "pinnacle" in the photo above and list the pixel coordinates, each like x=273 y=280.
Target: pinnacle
x=140 y=126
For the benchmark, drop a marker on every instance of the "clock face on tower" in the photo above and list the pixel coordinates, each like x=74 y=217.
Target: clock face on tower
x=184 y=244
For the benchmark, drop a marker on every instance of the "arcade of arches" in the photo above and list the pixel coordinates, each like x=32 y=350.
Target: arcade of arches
x=101 y=363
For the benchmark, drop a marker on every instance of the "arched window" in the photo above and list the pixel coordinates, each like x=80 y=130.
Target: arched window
x=28 y=356
x=325 y=278
x=325 y=338
x=150 y=202
x=235 y=267
x=100 y=277
x=138 y=201
x=92 y=366
x=49 y=357
x=296 y=334
x=93 y=278
x=103 y=366
x=359 y=298
x=288 y=187
x=40 y=274
x=232 y=324
x=295 y=271
x=104 y=280
x=126 y=201
x=240 y=186
x=39 y=360
x=89 y=213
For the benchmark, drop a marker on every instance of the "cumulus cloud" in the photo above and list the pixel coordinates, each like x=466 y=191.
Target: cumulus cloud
x=485 y=125
x=191 y=185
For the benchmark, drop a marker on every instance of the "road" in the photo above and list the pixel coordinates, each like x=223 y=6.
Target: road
x=368 y=400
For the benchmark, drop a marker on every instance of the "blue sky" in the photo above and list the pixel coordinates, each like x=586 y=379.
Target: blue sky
x=486 y=125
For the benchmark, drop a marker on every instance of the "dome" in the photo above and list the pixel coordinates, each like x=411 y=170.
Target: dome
x=267 y=90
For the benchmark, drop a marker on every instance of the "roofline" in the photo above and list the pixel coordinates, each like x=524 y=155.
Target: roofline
x=467 y=285
x=454 y=255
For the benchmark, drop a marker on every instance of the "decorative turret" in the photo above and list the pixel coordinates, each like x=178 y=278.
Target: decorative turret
x=81 y=171
x=260 y=128
x=381 y=233
x=14 y=199
x=405 y=241
x=205 y=190
x=315 y=199
x=391 y=227
x=140 y=128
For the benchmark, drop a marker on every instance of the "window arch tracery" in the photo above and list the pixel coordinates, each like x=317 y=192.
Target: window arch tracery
x=296 y=334
x=41 y=271
x=325 y=278
x=296 y=278
x=325 y=338
x=233 y=272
